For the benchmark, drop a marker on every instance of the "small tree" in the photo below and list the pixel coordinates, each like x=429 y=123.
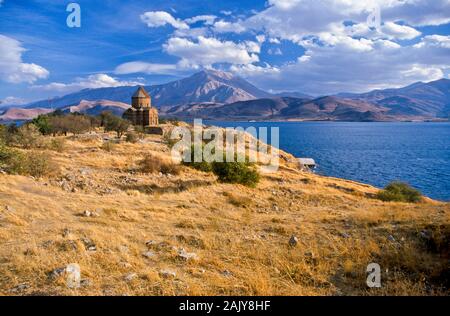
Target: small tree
x=78 y=123
x=399 y=192
x=116 y=124
x=27 y=136
x=42 y=122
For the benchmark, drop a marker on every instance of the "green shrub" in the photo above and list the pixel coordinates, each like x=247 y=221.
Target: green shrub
x=230 y=172
x=153 y=164
x=236 y=172
x=26 y=136
x=36 y=164
x=42 y=122
x=132 y=137
x=114 y=123
x=399 y=192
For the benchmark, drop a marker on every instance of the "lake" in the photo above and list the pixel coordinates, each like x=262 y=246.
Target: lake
x=374 y=153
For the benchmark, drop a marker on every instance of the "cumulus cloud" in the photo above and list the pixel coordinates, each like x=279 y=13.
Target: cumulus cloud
x=293 y=20
x=144 y=67
x=208 y=51
x=228 y=27
x=333 y=69
x=12 y=101
x=342 y=50
x=403 y=32
x=12 y=68
x=91 y=82
x=207 y=19
x=161 y=18
x=388 y=30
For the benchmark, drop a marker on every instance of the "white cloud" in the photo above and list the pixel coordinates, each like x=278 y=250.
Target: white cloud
x=144 y=67
x=403 y=32
x=208 y=51
x=284 y=4
x=12 y=69
x=225 y=12
x=12 y=101
x=228 y=27
x=91 y=82
x=388 y=30
x=253 y=70
x=435 y=41
x=332 y=69
x=293 y=20
x=207 y=19
x=274 y=40
x=161 y=18
x=339 y=55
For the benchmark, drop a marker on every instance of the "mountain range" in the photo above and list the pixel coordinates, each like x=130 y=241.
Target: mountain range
x=212 y=94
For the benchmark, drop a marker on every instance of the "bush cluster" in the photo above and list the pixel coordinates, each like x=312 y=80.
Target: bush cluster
x=33 y=163
x=244 y=173
x=399 y=192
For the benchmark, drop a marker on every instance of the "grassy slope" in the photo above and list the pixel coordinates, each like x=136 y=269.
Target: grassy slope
x=240 y=234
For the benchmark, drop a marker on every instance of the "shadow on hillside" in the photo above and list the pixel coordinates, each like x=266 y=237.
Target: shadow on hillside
x=178 y=186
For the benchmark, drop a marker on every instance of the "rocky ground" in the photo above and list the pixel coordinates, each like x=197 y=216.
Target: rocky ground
x=101 y=227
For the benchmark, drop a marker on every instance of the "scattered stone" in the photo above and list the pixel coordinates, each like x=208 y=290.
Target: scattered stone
x=9 y=208
x=227 y=273
x=130 y=277
x=85 y=283
x=167 y=273
x=89 y=244
x=57 y=273
x=276 y=208
x=20 y=288
x=66 y=232
x=187 y=256
x=149 y=254
x=345 y=235
x=125 y=264
x=88 y=213
x=391 y=238
x=74 y=190
x=150 y=243
x=85 y=171
x=293 y=241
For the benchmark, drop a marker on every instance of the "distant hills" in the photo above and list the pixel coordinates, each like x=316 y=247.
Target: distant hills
x=87 y=107
x=211 y=94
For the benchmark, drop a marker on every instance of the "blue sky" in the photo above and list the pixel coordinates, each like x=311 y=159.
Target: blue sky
x=317 y=47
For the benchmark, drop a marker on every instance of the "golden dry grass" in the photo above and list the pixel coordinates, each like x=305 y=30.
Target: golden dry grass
x=240 y=234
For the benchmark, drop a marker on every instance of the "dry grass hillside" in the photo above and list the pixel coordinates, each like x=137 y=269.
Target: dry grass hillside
x=135 y=233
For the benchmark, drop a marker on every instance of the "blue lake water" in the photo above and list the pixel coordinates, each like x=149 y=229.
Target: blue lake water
x=374 y=153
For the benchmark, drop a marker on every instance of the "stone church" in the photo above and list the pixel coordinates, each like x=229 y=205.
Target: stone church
x=141 y=112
